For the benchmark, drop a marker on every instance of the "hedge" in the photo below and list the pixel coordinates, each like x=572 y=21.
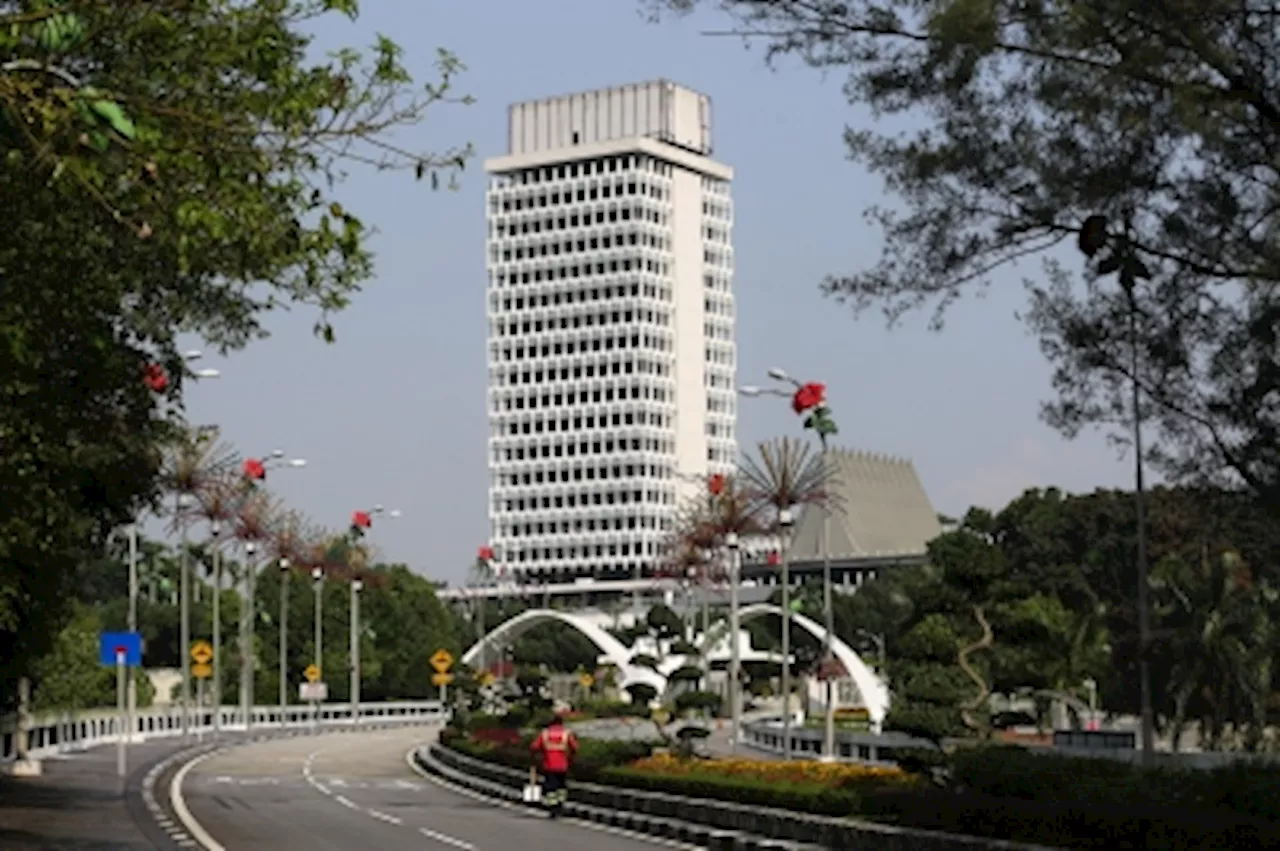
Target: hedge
x=1069 y=824
x=800 y=797
x=1244 y=788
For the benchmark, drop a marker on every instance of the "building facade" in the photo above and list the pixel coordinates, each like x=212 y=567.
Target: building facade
x=612 y=363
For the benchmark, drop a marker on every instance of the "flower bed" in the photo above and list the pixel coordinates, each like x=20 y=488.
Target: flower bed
x=822 y=788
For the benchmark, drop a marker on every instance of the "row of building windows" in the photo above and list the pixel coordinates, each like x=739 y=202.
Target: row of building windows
x=572 y=447
x=580 y=317
x=538 y=425
x=586 y=167
x=572 y=398
x=519 y=503
x=636 y=285
x=617 y=496
x=577 y=526
x=599 y=550
x=567 y=473
x=620 y=365
x=557 y=245
x=566 y=294
x=638 y=210
x=583 y=344
x=581 y=191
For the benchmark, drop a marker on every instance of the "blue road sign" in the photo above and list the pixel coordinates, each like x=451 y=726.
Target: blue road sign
x=112 y=643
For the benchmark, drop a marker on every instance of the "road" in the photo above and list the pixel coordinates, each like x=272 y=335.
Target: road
x=356 y=791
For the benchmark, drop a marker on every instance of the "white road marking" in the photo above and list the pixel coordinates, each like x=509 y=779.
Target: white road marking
x=198 y=833
x=446 y=839
x=385 y=817
x=346 y=802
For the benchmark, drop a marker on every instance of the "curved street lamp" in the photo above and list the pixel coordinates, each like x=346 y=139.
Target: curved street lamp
x=361 y=521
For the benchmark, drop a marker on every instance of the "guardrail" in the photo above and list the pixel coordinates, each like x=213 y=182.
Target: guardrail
x=55 y=733
x=870 y=748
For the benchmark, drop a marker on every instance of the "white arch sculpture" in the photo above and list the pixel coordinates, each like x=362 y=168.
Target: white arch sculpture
x=617 y=653
x=875 y=694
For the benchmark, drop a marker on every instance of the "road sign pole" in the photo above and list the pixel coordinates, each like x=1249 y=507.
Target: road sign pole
x=132 y=696
x=121 y=759
x=200 y=710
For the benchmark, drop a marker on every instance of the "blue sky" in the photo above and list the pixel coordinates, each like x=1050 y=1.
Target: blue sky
x=395 y=411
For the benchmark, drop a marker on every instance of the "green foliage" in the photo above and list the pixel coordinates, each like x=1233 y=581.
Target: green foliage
x=71 y=677
x=183 y=159
x=1029 y=123
x=561 y=650
x=801 y=797
x=1062 y=610
x=642 y=694
x=664 y=622
x=698 y=701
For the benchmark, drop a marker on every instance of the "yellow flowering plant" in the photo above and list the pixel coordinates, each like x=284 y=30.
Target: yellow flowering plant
x=795 y=772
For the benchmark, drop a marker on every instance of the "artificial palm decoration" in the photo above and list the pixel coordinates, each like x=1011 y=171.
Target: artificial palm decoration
x=194 y=461
x=785 y=473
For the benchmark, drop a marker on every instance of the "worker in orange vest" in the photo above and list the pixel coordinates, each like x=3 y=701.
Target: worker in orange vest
x=557 y=747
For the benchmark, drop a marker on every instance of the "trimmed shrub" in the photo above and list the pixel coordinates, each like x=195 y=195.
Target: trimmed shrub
x=1067 y=824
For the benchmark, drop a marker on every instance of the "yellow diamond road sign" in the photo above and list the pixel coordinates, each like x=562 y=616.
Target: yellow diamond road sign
x=312 y=673
x=201 y=671
x=587 y=680
x=201 y=653
x=441 y=679
x=442 y=660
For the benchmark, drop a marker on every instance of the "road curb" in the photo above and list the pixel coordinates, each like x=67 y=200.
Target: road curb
x=674 y=832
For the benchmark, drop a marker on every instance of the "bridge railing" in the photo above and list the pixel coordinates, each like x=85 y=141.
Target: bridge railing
x=64 y=732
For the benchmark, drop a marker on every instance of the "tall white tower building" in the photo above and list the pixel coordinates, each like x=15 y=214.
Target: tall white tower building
x=611 y=329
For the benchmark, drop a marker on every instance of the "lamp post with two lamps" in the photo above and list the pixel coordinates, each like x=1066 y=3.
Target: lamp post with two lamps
x=158 y=381
x=255 y=471
x=808 y=399
x=361 y=523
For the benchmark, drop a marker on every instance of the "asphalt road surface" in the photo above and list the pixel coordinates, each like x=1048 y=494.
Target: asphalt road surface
x=355 y=791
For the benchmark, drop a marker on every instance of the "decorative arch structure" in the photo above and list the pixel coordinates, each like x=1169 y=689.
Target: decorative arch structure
x=875 y=694
x=618 y=654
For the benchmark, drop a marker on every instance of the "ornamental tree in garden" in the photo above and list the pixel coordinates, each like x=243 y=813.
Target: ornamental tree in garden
x=168 y=167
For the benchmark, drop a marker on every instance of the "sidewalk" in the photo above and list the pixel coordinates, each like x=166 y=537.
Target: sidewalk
x=77 y=803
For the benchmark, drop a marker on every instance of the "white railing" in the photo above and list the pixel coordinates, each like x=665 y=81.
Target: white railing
x=55 y=733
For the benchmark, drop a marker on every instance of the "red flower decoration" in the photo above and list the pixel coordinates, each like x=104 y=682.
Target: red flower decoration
x=774 y=559
x=485 y=554
x=716 y=484
x=361 y=520
x=808 y=397
x=154 y=376
x=254 y=469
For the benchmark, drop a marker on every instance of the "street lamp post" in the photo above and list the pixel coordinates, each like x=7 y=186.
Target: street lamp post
x=356 y=587
x=784 y=531
x=284 y=639
x=215 y=530
x=184 y=581
x=809 y=399
x=735 y=653
x=360 y=521
x=246 y=634
x=132 y=687
x=317 y=581
x=273 y=461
